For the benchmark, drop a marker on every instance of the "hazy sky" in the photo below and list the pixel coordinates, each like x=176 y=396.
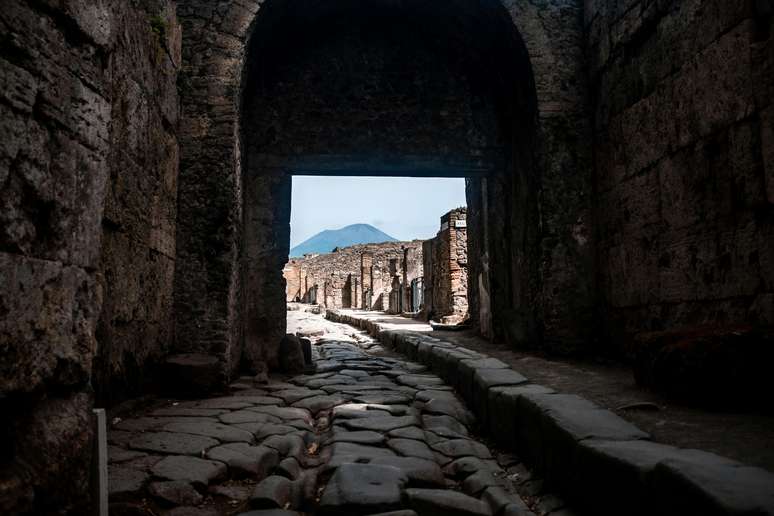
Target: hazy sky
x=403 y=207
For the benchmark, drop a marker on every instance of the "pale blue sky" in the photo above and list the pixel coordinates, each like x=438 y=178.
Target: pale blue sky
x=403 y=207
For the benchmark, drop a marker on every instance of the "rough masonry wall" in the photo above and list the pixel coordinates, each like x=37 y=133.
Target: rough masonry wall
x=64 y=68
x=136 y=324
x=446 y=266
x=684 y=144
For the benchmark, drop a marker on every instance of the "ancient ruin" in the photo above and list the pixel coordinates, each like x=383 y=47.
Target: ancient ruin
x=618 y=260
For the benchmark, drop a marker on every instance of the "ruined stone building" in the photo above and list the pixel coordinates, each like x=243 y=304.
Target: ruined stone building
x=364 y=276
x=446 y=270
x=618 y=156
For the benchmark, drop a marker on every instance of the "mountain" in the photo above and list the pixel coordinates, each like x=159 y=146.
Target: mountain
x=326 y=241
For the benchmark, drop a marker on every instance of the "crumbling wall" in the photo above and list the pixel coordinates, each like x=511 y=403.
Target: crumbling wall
x=446 y=270
x=335 y=272
x=684 y=145
x=87 y=105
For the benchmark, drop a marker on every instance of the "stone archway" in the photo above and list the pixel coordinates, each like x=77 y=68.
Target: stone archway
x=234 y=195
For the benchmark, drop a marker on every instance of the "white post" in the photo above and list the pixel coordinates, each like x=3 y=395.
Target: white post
x=100 y=463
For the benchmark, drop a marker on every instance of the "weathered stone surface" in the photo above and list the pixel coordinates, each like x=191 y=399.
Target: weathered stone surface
x=357 y=437
x=273 y=492
x=168 y=442
x=175 y=492
x=198 y=472
x=383 y=424
x=462 y=448
x=224 y=433
x=291 y=355
x=437 y=501
x=359 y=450
x=125 y=482
x=411 y=448
x=420 y=472
x=244 y=460
x=363 y=488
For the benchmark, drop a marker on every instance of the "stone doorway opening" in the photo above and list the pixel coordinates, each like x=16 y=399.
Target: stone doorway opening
x=406 y=89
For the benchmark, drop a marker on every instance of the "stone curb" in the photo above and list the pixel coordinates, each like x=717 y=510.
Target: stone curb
x=597 y=459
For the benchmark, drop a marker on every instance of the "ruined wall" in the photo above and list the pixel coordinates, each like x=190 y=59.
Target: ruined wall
x=684 y=147
x=75 y=76
x=334 y=273
x=135 y=327
x=446 y=270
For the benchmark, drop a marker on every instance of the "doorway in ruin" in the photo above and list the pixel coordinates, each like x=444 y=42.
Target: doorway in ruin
x=344 y=88
x=377 y=242
x=387 y=90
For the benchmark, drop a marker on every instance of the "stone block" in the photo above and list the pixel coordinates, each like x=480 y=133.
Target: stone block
x=504 y=420
x=556 y=423
x=363 y=488
x=486 y=379
x=193 y=375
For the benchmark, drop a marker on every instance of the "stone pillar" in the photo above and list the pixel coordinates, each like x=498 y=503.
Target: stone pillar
x=366 y=278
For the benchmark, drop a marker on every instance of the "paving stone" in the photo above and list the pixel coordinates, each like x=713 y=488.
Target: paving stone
x=284 y=413
x=256 y=399
x=440 y=423
x=446 y=502
x=409 y=432
x=287 y=445
x=175 y=492
x=125 y=483
x=244 y=460
x=317 y=403
x=143 y=463
x=288 y=467
x=191 y=511
x=462 y=448
x=248 y=416
x=232 y=492
x=419 y=381
x=219 y=431
x=270 y=429
x=293 y=395
x=498 y=498
x=229 y=403
x=363 y=488
x=411 y=448
x=117 y=454
x=355 y=373
x=357 y=410
x=431 y=395
x=199 y=472
x=359 y=450
x=420 y=472
x=188 y=412
x=273 y=492
x=383 y=398
x=476 y=483
x=148 y=424
x=270 y=512
x=169 y=442
x=383 y=424
x=357 y=437
x=449 y=407
x=463 y=467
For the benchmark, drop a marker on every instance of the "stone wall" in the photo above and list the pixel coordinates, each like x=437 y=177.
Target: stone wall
x=336 y=279
x=684 y=146
x=87 y=110
x=446 y=270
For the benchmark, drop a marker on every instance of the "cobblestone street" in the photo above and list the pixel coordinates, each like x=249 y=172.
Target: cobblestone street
x=367 y=433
